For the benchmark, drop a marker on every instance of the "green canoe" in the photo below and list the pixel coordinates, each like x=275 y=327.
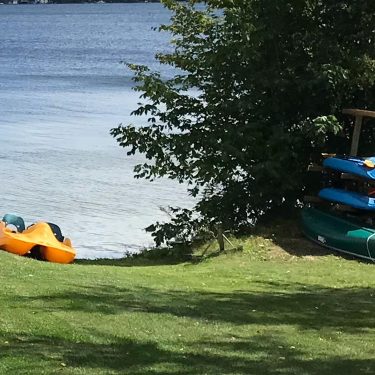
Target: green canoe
x=338 y=233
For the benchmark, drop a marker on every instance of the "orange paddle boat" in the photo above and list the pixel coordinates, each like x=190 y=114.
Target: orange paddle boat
x=41 y=240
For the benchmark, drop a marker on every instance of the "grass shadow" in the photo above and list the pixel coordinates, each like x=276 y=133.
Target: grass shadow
x=249 y=350
x=129 y=262
x=146 y=258
x=308 y=307
x=261 y=354
x=288 y=235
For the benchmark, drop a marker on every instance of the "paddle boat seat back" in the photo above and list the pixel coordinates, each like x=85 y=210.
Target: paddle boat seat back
x=57 y=232
x=17 y=221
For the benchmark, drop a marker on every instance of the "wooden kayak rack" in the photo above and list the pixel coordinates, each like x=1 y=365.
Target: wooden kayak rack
x=359 y=115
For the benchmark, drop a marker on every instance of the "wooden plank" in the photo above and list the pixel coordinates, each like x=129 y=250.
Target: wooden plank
x=345 y=208
x=359 y=112
x=326 y=155
x=349 y=176
x=356 y=135
x=314 y=168
x=312 y=199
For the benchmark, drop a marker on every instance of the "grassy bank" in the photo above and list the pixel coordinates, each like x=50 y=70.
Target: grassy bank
x=260 y=311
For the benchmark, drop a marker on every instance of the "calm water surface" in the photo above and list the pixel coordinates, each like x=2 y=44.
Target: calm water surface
x=62 y=88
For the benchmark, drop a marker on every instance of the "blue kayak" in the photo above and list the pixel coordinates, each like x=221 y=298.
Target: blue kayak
x=351 y=165
x=349 y=198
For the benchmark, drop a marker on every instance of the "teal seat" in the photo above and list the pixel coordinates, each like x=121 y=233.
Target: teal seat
x=15 y=220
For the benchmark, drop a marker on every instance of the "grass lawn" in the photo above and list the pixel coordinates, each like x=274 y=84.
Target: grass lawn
x=260 y=311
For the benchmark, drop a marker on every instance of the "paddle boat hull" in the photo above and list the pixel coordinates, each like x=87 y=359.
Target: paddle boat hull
x=341 y=234
x=39 y=236
x=57 y=255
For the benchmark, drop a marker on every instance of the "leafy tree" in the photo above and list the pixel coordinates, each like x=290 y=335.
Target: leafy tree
x=257 y=94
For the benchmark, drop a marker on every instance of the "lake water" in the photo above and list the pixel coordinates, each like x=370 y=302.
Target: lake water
x=62 y=88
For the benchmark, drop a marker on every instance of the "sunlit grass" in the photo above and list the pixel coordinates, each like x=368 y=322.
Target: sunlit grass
x=261 y=310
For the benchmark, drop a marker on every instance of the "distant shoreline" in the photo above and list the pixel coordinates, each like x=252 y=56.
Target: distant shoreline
x=49 y=2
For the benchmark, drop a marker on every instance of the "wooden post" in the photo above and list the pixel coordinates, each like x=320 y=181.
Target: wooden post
x=220 y=237
x=356 y=134
x=359 y=114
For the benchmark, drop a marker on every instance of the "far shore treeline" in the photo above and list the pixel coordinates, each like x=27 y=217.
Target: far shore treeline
x=21 y=2
x=106 y=1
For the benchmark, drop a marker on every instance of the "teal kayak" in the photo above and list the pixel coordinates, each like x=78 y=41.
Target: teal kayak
x=338 y=233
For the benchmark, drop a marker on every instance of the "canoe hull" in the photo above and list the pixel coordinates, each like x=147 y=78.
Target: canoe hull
x=338 y=233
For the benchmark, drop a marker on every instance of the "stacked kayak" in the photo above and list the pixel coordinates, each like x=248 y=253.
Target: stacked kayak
x=342 y=217
x=41 y=240
x=361 y=169
x=343 y=220
x=347 y=197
